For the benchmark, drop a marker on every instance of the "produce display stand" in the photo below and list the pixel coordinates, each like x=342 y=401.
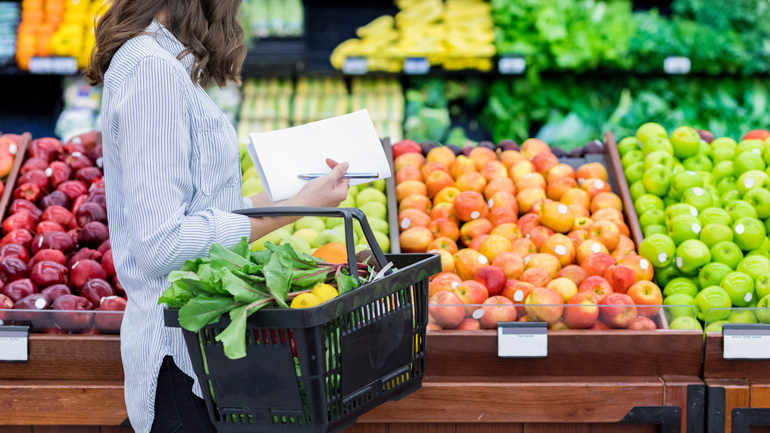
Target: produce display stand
x=591 y=380
x=395 y=245
x=737 y=391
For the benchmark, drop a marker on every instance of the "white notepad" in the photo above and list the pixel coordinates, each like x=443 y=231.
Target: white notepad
x=281 y=156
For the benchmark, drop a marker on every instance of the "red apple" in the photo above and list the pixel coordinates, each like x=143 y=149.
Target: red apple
x=491 y=277
x=84 y=270
x=581 y=311
x=618 y=311
x=597 y=285
x=646 y=293
x=643 y=324
x=446 y=310
x=620 y=277
x=497 y=309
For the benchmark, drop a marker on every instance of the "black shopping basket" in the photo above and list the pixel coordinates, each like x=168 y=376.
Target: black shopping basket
x=353 y=353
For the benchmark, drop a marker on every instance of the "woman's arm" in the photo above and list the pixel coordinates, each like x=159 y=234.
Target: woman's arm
x=154 y=140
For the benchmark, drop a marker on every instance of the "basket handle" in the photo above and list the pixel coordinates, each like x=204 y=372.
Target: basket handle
x=346 y=213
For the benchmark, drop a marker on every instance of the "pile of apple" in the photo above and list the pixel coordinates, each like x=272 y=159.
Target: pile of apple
x=704 y=207
x=55 y=251
x=521 y=237
x=309 y=233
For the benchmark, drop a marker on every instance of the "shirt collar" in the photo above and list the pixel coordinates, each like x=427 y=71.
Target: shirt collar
x=168 y=42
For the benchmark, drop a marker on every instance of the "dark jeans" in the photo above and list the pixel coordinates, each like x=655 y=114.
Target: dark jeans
x=177 y=409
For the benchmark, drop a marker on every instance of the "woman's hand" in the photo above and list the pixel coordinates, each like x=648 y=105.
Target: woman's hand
x=327 y=191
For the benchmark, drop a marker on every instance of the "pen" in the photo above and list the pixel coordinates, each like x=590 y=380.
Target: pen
x=310 y=176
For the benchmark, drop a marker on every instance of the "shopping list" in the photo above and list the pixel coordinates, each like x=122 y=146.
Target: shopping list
x=281 y=156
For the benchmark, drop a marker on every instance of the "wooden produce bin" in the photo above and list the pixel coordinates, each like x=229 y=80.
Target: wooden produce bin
x=737 y=393
x=591 y=380
x=72 y=383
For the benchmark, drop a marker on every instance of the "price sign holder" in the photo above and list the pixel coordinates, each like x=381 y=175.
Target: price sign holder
x=416 y=66
x=512 y=65
x=14 y=343
x=53 y=65
x=522 y=340
x=677 y=65
x=749 y=341
x=355 y=66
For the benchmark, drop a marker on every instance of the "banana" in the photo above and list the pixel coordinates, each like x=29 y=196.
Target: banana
x=380 y=25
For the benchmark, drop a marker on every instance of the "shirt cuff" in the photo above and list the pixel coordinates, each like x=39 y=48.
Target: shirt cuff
x=247 y=203
x=231 y=228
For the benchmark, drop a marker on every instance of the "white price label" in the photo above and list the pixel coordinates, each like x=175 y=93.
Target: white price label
x=355 y=66
x=512 y=65
x=746 y=341
x=14 y=343
x=677 y=65
x=522 y=340
x=53 y=65
x=416 y=66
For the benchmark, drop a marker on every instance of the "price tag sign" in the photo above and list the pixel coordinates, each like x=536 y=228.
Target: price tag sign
x=522 y=340
x=53 y=65
x=355 y=66
x=416 y=66
x=677 y=65
x=14 y=344
x=746 y=341
x=512 y=65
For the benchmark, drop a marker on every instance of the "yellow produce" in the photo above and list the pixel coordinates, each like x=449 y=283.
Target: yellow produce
x=324 y=292
x=305 y=300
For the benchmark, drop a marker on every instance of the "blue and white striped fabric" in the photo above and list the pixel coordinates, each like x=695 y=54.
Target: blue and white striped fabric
x=172 y=174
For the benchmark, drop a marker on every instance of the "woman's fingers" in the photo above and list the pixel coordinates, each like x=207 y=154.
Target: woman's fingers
x=331 y=163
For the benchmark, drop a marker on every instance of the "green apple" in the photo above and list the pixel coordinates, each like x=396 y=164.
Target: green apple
x=631 y=157
x=275 y=237
x=375 y=209
x=658 y=249
x=766 y=154
x=763 y=314
x=710 y=298
x=248 y=174
x=748 y=161
x=759 y=199
x=666 y=274
x=329 y=236
x=754 y=266
x=297 y=243
x=691 y=255
x=716 y=326
x=252 y=186
x=679 y=305
x=723 y=154
x=698 y=198
x=727 y=253
x=341 y=229
x=742 y=316
x=659 y=157
x=684 y=181
x=379 y=225
x=704 y=149
x=739 y=209
x=657 y=180
x=332 y=222
x=683 y=227
x=698 y=163
x=749 y=233
x=681 y=285
x=349 y=202
x=752 y=179
x=377 y=184
x=649 y=130
x=725 y=142
x=371 y=194
x=657 y=144
x=674 y=211
x=712 y=274
x=685 y=323
x=762 y=286
x=767 y=225
x=755 y=146
x=634 y=172
x=713 y=234
x=654 y=229
x=647 y=202
x=685 y=141
x=308 y=235
x=678 y=167
x=652 y=217
x=310 y=222
x=246 y=163
x=637 y=190
x=361 y=247
x=628 y=144
x=383 y=240
x=729 y=197
x=740 y=288
x=714 y=215
x=669 y=201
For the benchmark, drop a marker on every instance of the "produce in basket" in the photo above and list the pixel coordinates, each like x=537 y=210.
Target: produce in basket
x=704 y=207
x=240 y=281
x=523 y=226
x=55 y=224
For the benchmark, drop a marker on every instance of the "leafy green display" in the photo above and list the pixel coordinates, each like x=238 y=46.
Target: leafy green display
x=240 y=282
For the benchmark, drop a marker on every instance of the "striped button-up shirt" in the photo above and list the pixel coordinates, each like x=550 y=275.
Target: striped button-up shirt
x=172 y=174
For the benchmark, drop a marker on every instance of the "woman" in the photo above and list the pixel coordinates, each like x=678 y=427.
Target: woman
x=172 y=174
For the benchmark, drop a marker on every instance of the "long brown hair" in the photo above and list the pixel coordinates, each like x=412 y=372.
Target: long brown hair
x=209 y=30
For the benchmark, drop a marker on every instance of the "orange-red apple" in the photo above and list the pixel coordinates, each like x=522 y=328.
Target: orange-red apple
x=533 y=146
x=502 y=216
x=409 y=159
x=557 y=217
x=497 y=309
x=576 y=196
x=578 y=237
x=446 y=195
x=591 y=170
x=557 y=187
x=605 y=232
x=511 y=263
x=523 y=247
x=494 y=170
x=444 y=227
x=545 y=305
x=544 y=161
x=560 y=171
x=596 y=285
x=410 y=187
x=597 y=263
x=446 y=310
x=415 y=240
x=588 y=248
x=471 y=293
x=470 y=205
x=476 y=242
x=517 y=292
x=408 y=173
x=641 y=266
x=620 y=277
x=617 y=310
x=409 y=218
x=531 y=180
x=419 y=202
x=520 y=169
x=444 y=244
x=468 y=262
x=503 y=200
x=604 y=200
x=528 y=222
x=462 y=165
x=444 y=210
x=561 y=247
x=442 y=155
x=536 y=276
x=646 y=295
x=491 y=277
x=581 y=311
x=564 y=287
x=538 y=235
x=574 y=273
x=509 y=231
x=543 y=261
x=469 y=324
x=595 y=186
x=471 y=181
x=643 y=324
x=432 y=167
x=437 y=181
x=499 y=184
x=474 y=228
x=494 y=245
x=481 y=156
x=510 y=157
x=444 y=281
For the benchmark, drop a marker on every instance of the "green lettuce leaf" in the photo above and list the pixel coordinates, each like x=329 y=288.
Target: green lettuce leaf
x=278 y=275
x=202 y=310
